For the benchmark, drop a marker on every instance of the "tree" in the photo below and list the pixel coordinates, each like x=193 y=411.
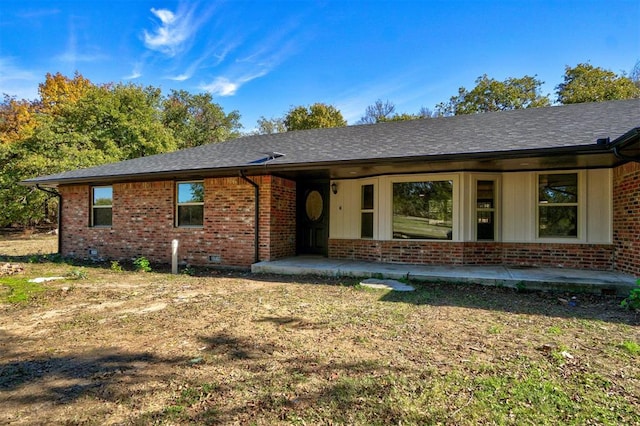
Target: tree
x=17 y=119
x=196 y=120
x=76 y=124
x=378 y=112
x=586 y=83
x=635 y=74
x=316 y=116
x=268 y=126
x=58 y=90
x=381 y=111
x=492 y=95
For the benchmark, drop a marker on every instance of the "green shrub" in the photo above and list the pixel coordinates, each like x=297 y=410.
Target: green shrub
x=142 y=264
x=78 y=274
x=115 y=266
x=633 y=301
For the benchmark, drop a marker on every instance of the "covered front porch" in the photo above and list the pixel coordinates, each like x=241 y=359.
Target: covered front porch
x=522 y=278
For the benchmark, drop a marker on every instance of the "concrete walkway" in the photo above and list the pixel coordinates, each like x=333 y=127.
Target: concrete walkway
x=530 y=278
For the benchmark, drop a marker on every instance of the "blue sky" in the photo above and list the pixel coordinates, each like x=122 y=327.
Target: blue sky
x=263 y=57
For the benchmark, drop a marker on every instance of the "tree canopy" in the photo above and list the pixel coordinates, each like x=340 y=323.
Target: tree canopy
x=316 y=116
x=492 y=95
x=78 y=124
x=586 y=83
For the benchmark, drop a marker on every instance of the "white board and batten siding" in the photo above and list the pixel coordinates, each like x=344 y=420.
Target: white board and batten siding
x=515 y=213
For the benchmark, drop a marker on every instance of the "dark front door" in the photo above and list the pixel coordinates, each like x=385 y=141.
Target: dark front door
x=313 y=217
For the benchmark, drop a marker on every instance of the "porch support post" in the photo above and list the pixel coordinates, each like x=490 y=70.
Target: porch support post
x=256 y=192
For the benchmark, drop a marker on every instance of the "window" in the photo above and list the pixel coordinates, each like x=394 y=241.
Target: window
x=101 y=205
x=558 y=205
x=366 y=211
x=423 y=210
x=190 y=205
x=485 y=210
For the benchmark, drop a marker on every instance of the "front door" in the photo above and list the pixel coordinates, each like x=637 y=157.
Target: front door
x=312 y=217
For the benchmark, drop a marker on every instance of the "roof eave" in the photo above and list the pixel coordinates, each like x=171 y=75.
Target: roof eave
x=276 y=167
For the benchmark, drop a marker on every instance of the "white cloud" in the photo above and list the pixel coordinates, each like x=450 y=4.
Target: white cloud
x=136 y=72
x=175 y=31
x=223 y=86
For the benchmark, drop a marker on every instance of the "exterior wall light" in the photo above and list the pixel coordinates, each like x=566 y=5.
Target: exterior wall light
x=334 y=188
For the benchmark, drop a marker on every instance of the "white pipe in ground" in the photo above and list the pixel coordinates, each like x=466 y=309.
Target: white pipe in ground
x=174 y=257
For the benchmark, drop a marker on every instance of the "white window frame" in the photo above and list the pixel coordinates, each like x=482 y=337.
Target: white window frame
x=456 y=222
x=179 y=204
x=496 y=179
x=580 y=206
x=99 y=206
x=373 y=211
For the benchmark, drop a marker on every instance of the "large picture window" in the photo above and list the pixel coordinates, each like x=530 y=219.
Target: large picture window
x=423 y=210
x=101 y=205
x=558 y=205
x=190 y=205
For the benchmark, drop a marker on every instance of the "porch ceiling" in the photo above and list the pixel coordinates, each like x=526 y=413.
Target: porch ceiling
x=404 y=166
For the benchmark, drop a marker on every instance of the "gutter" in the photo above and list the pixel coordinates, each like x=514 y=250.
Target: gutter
x=622 y=142
x=56 y=194
x=256 y=220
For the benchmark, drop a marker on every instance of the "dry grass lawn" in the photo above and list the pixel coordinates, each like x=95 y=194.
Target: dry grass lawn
x=152 y=348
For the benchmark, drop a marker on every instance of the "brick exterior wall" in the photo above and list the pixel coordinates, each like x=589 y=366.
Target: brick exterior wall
x=626 y=218
x=144 y=217
x=584 y=256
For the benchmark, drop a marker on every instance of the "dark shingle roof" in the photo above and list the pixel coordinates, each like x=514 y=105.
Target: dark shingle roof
x=498 y=133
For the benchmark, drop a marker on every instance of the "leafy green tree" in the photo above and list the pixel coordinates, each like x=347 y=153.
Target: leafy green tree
x=586 y=83
x=268 y=126
x=196 y=120
x=316 y=116
x=493 y=95
x=77 y=124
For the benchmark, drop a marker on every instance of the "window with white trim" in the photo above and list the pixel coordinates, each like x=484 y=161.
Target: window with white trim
x=423 y=210
x=558 y=205
x=366 y=211
x=101 y=206
x=485 y=210
x=190 y=204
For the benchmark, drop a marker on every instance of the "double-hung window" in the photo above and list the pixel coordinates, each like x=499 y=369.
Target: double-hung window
x=423 y=210
x=190 y=204
x=101 y=205
x=558 y=205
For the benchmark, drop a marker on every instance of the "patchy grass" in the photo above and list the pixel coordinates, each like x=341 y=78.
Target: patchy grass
x=121 y=347
x=18 y=290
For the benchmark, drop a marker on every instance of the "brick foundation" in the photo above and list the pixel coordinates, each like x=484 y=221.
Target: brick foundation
x=626 y=218
x=583 y=256
x=143 y=223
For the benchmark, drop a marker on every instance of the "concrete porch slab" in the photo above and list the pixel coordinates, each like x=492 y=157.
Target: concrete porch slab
x=530 y=278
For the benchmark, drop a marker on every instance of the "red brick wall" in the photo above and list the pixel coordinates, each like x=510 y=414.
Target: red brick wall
x=143 y=222
x=587 y=256
x=626 y=218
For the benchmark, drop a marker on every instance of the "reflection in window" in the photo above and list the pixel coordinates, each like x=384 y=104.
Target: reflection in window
x=423 y=210
x=190 y=205
x=485 y=210
x=366 y=212
x=558 y=205
x=101 y=205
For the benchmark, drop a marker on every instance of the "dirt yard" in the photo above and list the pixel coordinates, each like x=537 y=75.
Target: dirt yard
x=113 y=347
